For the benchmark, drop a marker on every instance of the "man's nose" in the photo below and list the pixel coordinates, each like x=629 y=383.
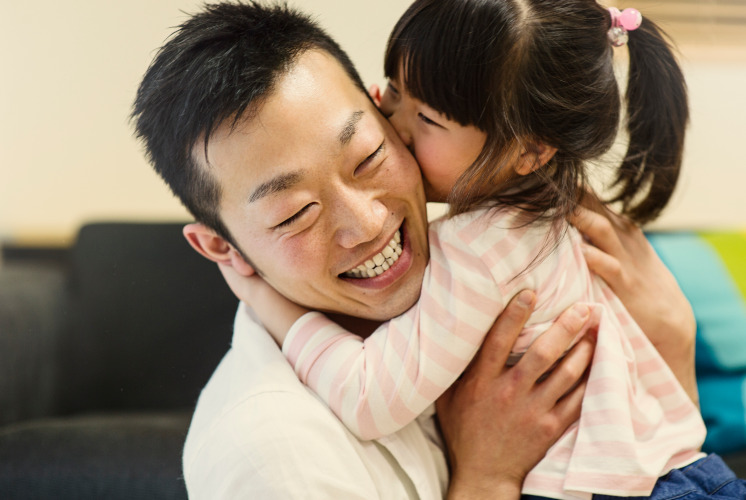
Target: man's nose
x=361 y=218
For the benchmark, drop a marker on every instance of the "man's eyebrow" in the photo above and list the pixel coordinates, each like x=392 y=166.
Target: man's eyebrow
x=350 y=128
x=275 y=185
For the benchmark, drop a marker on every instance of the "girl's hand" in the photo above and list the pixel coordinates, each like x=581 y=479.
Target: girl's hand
x=498 y=421
x=621 y=255
x=246 y=288
x=276 y=313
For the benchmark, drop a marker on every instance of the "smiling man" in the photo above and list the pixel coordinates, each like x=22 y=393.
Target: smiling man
x=259 y=123
x=316 y=184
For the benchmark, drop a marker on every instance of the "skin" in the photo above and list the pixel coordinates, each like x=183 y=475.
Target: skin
x=349 y=200
x=444 y=149
x=314 y=185
x=339 y=195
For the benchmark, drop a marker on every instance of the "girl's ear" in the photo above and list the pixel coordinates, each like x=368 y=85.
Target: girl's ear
x=375 y=93
x=532 y=160
x=215 y=248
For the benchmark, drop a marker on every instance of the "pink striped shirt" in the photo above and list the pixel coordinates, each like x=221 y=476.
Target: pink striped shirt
x=636 y=422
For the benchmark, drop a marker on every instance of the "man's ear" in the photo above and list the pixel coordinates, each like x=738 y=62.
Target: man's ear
x=215 y=248
x=375 y=93
x=534 y=159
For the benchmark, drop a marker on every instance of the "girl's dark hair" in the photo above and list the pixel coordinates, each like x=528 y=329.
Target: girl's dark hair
x=541 y=71
x=218 y=67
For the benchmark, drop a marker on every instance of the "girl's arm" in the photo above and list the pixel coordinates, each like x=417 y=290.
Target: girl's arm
x=276 y=313
x=379 y=384
x=621 y=255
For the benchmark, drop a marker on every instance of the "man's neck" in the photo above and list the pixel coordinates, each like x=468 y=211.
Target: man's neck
x=362 y=327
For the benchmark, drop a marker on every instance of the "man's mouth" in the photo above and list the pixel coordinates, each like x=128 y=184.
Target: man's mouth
x=380 y=262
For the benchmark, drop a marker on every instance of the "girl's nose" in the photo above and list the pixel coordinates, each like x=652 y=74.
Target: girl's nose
x=401 y=125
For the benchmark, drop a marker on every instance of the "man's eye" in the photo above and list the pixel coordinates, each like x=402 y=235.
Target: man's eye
x=293 y=218
x=370 y=158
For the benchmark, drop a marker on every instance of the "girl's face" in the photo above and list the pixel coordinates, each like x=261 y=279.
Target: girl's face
x=443 y=148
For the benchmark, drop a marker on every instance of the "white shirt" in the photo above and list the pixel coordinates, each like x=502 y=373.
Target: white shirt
x=257 y=432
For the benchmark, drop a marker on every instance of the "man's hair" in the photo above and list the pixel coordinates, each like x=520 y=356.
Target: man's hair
x=218 y=67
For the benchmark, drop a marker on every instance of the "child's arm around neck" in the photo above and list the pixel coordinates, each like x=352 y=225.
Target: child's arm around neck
x=276 y=313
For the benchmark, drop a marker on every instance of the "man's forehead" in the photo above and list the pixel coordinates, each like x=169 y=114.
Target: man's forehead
x=314 y=110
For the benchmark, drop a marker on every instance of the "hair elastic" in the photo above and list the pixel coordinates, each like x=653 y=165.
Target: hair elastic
x=622 y=22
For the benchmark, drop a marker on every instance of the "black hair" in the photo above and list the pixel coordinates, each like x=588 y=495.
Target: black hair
x=541 y=71
x=218 y=67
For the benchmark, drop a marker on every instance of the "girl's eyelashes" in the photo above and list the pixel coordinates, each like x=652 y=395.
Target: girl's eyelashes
x=428 y=121
x=392 y=89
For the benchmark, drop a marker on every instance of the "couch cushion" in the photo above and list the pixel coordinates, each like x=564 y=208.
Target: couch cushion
x=116 y=457
x=31 y=312
x=710 y=267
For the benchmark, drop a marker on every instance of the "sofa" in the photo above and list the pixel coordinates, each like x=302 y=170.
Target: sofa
x=104 y=348
x=105 y=345
x=710 y=267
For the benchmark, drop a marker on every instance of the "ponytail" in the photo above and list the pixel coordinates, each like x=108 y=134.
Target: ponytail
x=657 y=115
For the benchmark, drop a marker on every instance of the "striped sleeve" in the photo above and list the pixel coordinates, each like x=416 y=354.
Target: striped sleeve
x=379 y=384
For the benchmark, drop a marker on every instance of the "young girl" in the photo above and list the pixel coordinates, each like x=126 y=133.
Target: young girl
x=505 y=103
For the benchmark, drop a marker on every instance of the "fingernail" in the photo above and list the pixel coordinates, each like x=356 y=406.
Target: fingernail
x=526 y=298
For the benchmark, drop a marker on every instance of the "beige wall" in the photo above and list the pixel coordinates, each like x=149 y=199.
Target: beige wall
x=70 y=70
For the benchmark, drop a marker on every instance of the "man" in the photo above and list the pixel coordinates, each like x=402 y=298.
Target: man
x=259 y=123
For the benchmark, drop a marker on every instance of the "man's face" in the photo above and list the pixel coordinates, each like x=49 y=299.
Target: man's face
x=318 y=184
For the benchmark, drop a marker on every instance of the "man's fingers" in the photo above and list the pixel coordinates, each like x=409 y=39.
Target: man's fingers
x=567 y=410
x=444 y=401
x=598 y=229
x=568 y=372
x=552 y=344
x=607 y=267
x=500 y=339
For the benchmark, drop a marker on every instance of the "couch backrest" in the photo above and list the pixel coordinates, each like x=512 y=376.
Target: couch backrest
x=148 y=319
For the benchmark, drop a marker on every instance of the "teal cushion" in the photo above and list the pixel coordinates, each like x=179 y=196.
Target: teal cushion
x=709 y=267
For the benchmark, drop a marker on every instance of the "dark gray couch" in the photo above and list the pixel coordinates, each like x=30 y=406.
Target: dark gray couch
x=103 y=352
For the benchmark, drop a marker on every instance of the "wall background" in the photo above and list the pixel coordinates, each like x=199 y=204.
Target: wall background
x=70 y=71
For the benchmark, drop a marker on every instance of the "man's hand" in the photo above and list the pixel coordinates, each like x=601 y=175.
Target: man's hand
x=499 y=421
x=621 y=255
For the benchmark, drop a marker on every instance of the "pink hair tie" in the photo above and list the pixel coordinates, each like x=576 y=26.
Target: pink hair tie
x=621 y=23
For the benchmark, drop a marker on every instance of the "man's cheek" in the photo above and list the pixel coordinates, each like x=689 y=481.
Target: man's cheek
x=298 y=254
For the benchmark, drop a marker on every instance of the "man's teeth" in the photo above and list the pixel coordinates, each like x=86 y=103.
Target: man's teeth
x=380 y=262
